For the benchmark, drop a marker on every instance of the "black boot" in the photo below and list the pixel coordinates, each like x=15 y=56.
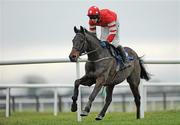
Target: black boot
x=122 y=52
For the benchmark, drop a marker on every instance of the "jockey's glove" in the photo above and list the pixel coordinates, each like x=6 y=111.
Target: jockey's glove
x=103 y=43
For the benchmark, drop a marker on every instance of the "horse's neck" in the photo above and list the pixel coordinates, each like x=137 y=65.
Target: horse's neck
x=94 y=47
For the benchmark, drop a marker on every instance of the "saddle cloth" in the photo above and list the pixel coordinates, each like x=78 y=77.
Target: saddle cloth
x=115 y=53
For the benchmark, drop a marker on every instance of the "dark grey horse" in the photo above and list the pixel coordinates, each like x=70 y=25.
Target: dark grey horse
x=101 y=71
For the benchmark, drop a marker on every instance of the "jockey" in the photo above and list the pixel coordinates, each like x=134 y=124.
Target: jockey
x=108 y=21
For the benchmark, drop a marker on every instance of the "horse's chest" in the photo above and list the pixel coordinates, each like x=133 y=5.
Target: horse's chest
x=92 y=69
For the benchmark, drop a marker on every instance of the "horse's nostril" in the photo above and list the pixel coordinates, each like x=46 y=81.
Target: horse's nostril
x=73 y=56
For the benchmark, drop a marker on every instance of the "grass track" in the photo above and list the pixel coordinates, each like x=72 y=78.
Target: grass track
x=34 y=118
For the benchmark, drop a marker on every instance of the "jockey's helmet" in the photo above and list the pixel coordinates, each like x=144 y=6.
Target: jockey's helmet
x=93 y=12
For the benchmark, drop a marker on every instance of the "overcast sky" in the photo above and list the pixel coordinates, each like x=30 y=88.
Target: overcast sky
x=33 y=29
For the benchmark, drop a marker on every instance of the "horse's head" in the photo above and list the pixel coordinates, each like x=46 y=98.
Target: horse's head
x=79 y=44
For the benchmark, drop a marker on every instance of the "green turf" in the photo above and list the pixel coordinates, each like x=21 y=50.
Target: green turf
x=34 y=118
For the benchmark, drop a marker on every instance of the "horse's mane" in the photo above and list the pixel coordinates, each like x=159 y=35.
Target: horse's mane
x=92 y=34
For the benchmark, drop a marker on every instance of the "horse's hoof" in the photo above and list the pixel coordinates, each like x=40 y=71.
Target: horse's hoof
x=74 y=107
x=84 y=113
x=99 y=117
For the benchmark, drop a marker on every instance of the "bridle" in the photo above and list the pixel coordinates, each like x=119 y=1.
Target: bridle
x=84 y=52
x=82 y=49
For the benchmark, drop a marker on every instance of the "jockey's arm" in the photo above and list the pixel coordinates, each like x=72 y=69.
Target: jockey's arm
x=112 y=31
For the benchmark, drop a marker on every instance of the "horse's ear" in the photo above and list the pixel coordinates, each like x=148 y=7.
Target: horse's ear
x=76 y=30
x=82 y=29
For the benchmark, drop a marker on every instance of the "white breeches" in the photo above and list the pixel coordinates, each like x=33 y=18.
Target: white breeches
x=105 y=33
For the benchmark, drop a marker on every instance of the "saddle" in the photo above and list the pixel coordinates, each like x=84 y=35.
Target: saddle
x=115 y=52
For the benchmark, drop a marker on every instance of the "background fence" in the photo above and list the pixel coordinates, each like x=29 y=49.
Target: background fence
x=142 y=87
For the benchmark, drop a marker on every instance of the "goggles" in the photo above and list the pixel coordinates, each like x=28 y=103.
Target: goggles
x=93 y=16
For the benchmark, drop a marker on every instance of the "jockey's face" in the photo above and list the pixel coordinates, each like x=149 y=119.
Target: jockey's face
x=94 y=18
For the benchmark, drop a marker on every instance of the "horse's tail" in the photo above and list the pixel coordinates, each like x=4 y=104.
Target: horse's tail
x=144 y=74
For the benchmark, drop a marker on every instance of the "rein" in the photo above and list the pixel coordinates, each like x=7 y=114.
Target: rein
x=98 y=60
x=86 y=53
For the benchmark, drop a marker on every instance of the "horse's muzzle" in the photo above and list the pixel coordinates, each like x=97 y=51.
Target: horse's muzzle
x=74 y=55
x=73 y=58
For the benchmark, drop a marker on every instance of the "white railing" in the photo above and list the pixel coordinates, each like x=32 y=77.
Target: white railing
x=142 y=87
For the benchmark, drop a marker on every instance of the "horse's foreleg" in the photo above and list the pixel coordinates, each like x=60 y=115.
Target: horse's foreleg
x=85 y=80
x=109 y=91
x=75 y=96
x=96 y=89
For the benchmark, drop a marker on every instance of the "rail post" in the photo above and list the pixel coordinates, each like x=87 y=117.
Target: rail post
x=141 y=87
x=79 y=96
x=7 y=102
x=55 y=101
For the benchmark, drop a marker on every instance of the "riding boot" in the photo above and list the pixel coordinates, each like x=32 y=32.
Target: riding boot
x=122 y=52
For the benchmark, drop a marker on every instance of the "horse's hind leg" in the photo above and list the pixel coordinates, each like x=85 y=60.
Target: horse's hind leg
x=134 y=81
x=76 y=90
x=109 y=91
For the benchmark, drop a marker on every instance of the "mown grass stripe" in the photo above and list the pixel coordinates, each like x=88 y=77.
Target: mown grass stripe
x=114 y=118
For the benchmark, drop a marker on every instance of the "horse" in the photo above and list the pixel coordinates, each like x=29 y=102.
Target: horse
x=100 y=69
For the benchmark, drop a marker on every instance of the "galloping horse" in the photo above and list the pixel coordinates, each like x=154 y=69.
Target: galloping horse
x=100 y=69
